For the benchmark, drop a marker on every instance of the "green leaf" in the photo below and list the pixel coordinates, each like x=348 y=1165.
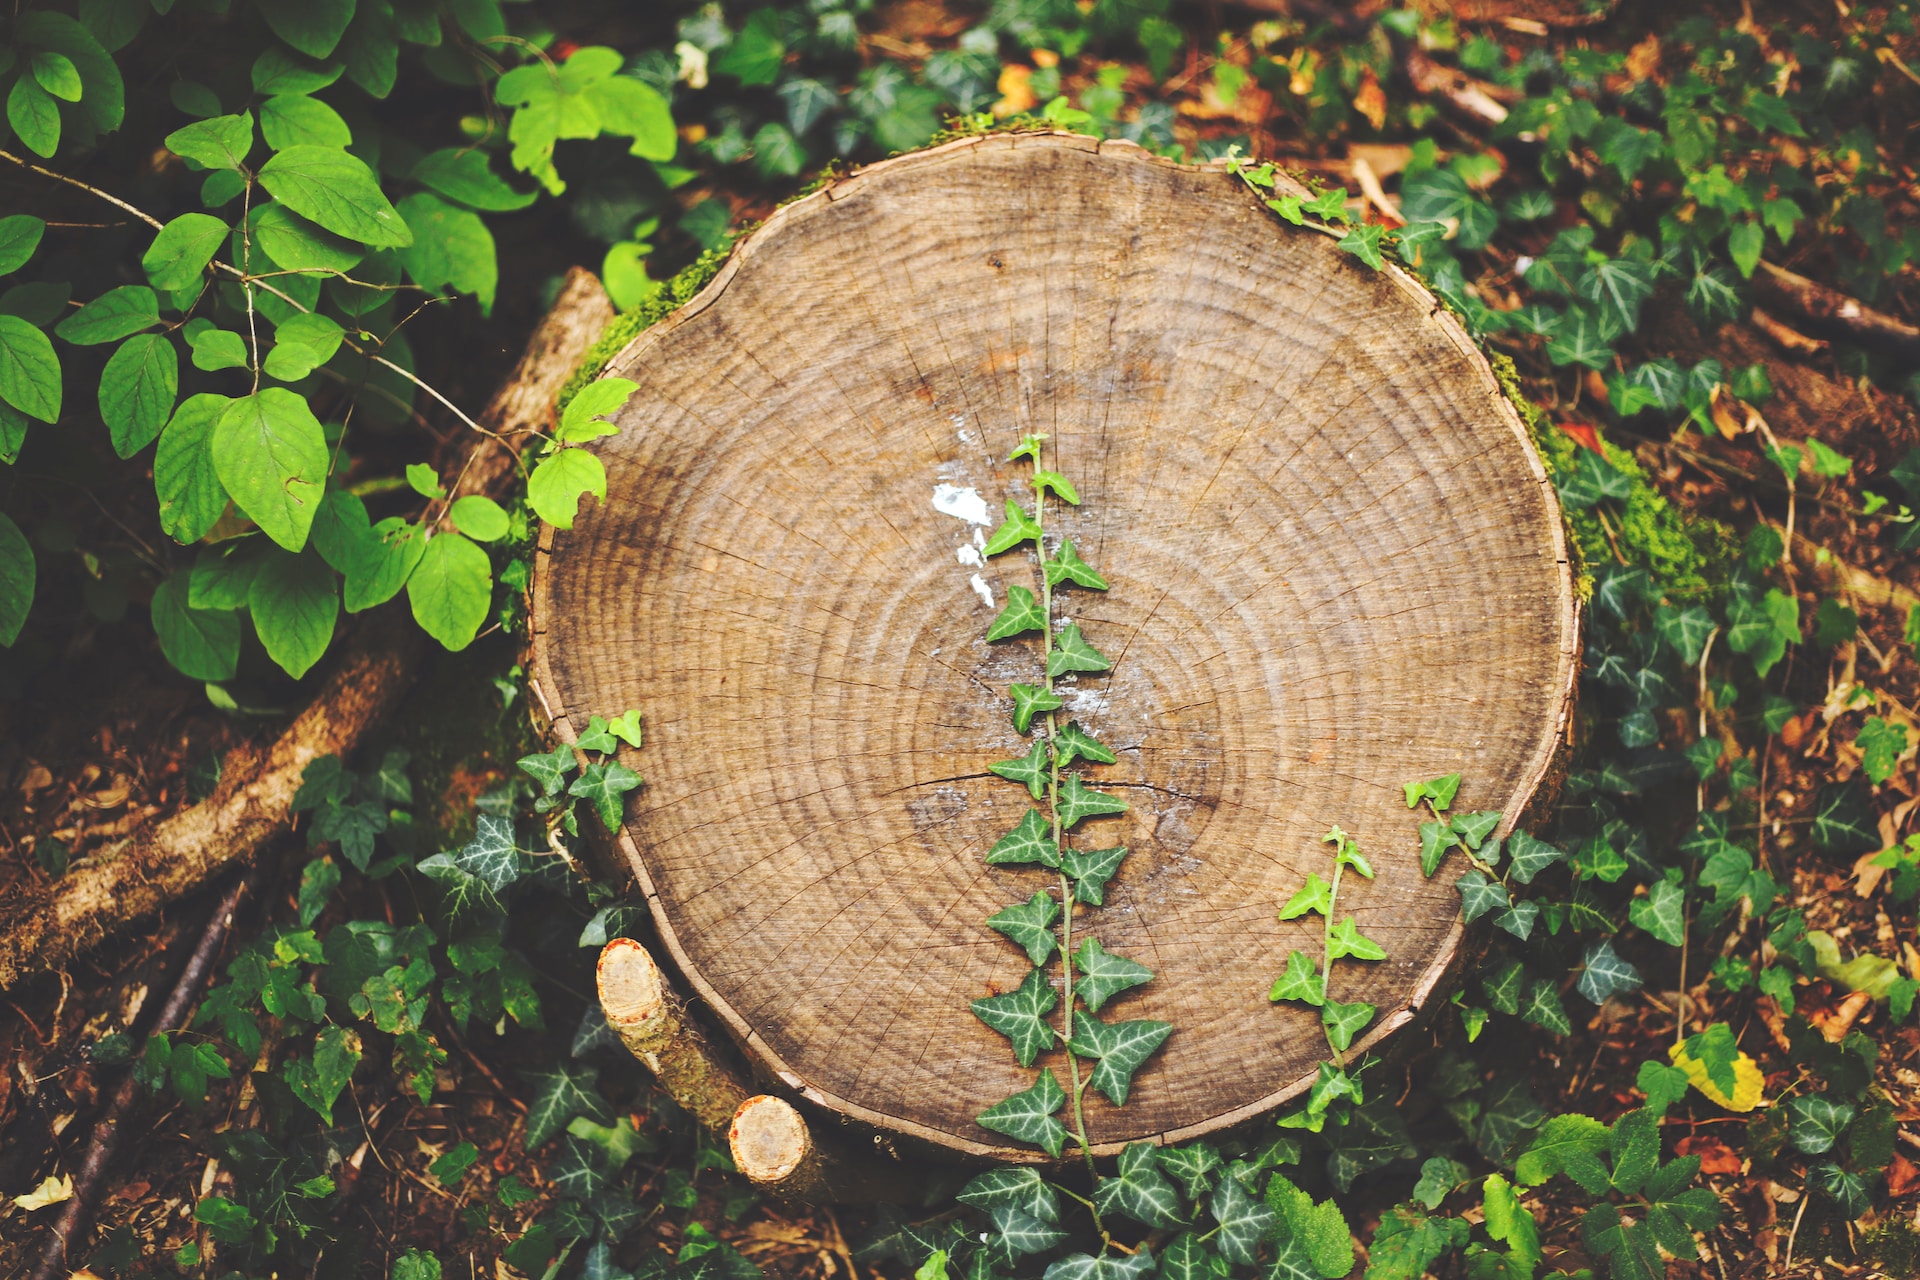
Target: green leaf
x=1021 y=1189
x=1141 y=1192
x=1075 y=800
x=1071 y=652
x=337 y=191
x=1598 y=860
x=1030 y=925
x=1618 y=286
x=1104 y=975
x=1663 y=1085
x=1058 y=484
x=17 y=576
x=1301 y=981
x=1021 y=615
x=1074 y=743
x=313 y=27
x=294 y=601
x=755 y=53
x=270 y=453
x=418 y=1264
x=1193 y=1167
x=1090 y=869
x=1317 y=895
x=1528 y=857
x=479 y=517
x=280 y=71
x=1188 y=1259
x=29 y=371
x=585 y=413
x=1436 y=838
x=376 y=559
x=1343 y=939
x=632 y=108
x=450 y=590
x=1030 y=841
x=550 y=768
x=1240 y=1219
x=1518 y=919
x=1439 y=791
x=1565 y=1141
x=1035 y=769
x=216 y=349
x=104 y=102
x=220 y=143
x=1407 y=1244
x=491 y=856
x=1662 y=912
x=1439 y=1177
x=1028 y=1116
x=1029 y=700
x=1121 y=1047
x=1363 y=242
x=1543 y=1009
x=1479 y=895
x=201 y=644
x=19 y=236
x=464 y=175
x=181 y=251
x=555 y=489
x=1509 y=1221
x=1605 y=973
x=1881 y=743
x=35 y=116
x=1018 y=528
x=1021 y=1233
x=1843 y=823
x=1635 y=1143
x=1021 y=1016
x=1582 y=338
x=451 y=248
x=1815 y=1122
x=137 y=391
x=115 y=314
x=1067 y=566
x=296 y=244
x=560 y=1094
x=1441 y=195
x=1343 y=1022
x=13 y=433
x=1745 y=240
x=294 y=119
x=1318 y=1230
x=319 y=1080
x=1474 y=828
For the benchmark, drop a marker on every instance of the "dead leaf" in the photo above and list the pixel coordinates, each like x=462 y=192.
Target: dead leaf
x=38 y=778
x=1866 y=876
x=1370 y=100
x=1583 y=434
x=1644 y=59
x=1902 y=1175
x=1016 y=90
x=1384 y=158
x=52 y=1191
x=1715 y=1156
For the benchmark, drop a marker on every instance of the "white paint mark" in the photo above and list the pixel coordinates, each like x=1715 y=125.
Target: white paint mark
x=971 y=555
x=981 y=589
x=979 y=537
x=962 y=504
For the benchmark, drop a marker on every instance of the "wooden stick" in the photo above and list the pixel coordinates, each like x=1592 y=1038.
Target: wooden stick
x=773 y=1146
x=647 y=1018
x=1836 y=311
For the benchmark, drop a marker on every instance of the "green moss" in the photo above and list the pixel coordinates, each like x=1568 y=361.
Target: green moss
x=1893 y=1247
x=624 y=328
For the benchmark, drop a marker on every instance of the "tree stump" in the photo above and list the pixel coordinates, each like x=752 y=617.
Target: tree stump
x=1336 y=565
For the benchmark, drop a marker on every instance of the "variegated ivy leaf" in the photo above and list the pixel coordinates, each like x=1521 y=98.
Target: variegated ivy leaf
x=1030 y=841
x=1662 y=912
x=1029 y=700
x=1090 y=869
x=1019 y=527
x=1543 y=1009
x=1108 y=1266
x=1021 y=1232
x=1071 y=652
x=1528 y=857
x=1605 y=973
x=550 y=769
x=1021 y=1016
x=1241 y=1220
x=1316 y=896
x=1345 y=939
x=1479 y=895
x=1301 y=981
x=1344 y=1021
x=1120 y=1048
x=1075 y=743
x=1435 y=839
x=1023 y=1189
x=1187 y=1259
x=1503 y=984
x=1022 y=614
x=1141 y=1192
x=1475 y=827
x=1105 y=975
x=1034 y=769
x=490 y=855
x=1193 y=1167
x=1030 y=925
x=1067 y=566
x=1076 y=800
x=1028 y=1116
x=1518 y=919
x=1059 y=484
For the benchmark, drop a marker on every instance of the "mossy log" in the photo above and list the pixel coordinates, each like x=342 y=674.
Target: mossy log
x=1336 y=564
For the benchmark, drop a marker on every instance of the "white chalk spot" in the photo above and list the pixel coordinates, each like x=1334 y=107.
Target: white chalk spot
x=1521 y=263
x=962 y=504
x=972 y=556
x=981 y=589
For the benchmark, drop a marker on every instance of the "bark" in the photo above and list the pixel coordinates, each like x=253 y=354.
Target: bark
x=647 y=1018
x=1829 y=309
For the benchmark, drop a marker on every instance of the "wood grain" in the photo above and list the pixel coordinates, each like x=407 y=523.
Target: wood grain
x=1336 y=565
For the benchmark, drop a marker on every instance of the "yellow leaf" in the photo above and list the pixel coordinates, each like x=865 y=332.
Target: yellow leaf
x=1747 y=1080
x=52 y=1191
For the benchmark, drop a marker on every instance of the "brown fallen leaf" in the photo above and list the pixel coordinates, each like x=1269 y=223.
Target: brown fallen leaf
x=1902 y=1176
x=1016 y=91
x=1370 y=100
x=1715 y=1156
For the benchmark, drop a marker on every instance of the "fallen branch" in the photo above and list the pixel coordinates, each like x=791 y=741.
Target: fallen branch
x=1862 y=585
x=771 y=1144
x=1830 y=309
x=46 y=925
x=1475 y=99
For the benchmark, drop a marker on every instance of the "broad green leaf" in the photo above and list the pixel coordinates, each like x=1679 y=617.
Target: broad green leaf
x=35 y=116
x=1141 y=1192
x=1301 y=981
x=1319 y=1230
x=1075 y=743
x=296 y=244
x=479 y=517
x=1071 y=652
x=1030 y=841
x=1572 y=1137
x=1021 y=1015
x=1067 y=566
x=1407 y=1244
x=1034 y=770
x=220 y=143
x=1120 y=1047
x=29 y=371
x=1104 y=975
x=1021 y=615
x=632 y=108
x=294 y=600
x=17 y=574
x=1663 y=1085
x=181 y=251
x=271 y=455
x=1090 y=869
x=317 y=333
x=137 y=391
x=450 y=590
x=19 y=236
x=115 y=314
x=104 y=102
x=1029 y=700
x=201 y=644
x=1509 y=1222
x=1075 y=800
x=337 y=191
x=1028 y=1116
x=1662 y=912
x=1343 y=1022
x=1018 y=528
x=294 y=119
x=281 y=71
x=1030 y=925
x=1635 y=1144
x=13 y=433
x=584 y=418
x=216 y=349
x=1745 y=240
x=376 y=559
x=1316 y=895
x=559 y=481
x=1439 y=1178
x=451 y=248
x=317 y=1081
x=464 y=175
x=1881 y=742
x=313 y=27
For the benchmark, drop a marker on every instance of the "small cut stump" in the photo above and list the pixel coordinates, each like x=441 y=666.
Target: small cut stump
x=1336 y=565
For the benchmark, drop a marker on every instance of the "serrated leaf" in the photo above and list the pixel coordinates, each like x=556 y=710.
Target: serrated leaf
x=1030 y=925
x=1571 y=1137
x=1021 y=615
x=1020 y=1016
x=1071 y=652
x=1105 y=975
x=1067 y=566
x=1028 y=1116
x=1120 y=1047
x=1301 y=981
x=1030 y=841
x=1075 y=800
x=1635 y=1144
x=1318 y=1231
x=1439 y=1177
x=1034 y=770
x=1030 y=700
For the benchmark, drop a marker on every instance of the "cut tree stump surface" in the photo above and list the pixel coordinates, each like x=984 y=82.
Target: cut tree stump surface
x=1336 y=565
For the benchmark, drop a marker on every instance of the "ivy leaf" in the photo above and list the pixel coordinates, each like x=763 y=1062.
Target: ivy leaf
x=1528 y=857
x=1090 y=869
x=1363 y=242
x=1059 y=484
x=1474 y=828
x=1619 y=286
x=1030 y=925
x=1192 y=1167
x=1071 y=652
x=1076 y=800
x=1028 y=1116
x=550 y=769
x=1439 y=1177
x=1108 y=1266
x=1020 y=1189
x=1075 y=743
x=1067 y=566
x=1141 y=1192
x=605 y=784
x=1503 y=985
x=1316 y=895
x=1518 y=919
x=462 y=894
x=1440 y=791
x=1030 y=700
x=1104 y=975
x=1121 y=1048
x=1020 y=1015
x=1842 y=821
x=1662 y=912
x=1345 y=1021
x=1030 y=841
x=597 y=736
x=450 y=589
x=1598 y=860
x=1019 y=527
x=1035 y=769
x=1301 y=981
x=1815 y=1122
x=1850 y=1191
x=272 y=457
x=1713 y=298
x=1436 y=838
x=559 y=1095
x=560 y=480
x=1479 y=895
x=1582 y=338
x=336 y=190
x=1543 y=1009
x=1188 y=1259
x=1022 y=1233
x=1344 y=939
x=1240 y=1220
x=491 y=856
x=1021 y=615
